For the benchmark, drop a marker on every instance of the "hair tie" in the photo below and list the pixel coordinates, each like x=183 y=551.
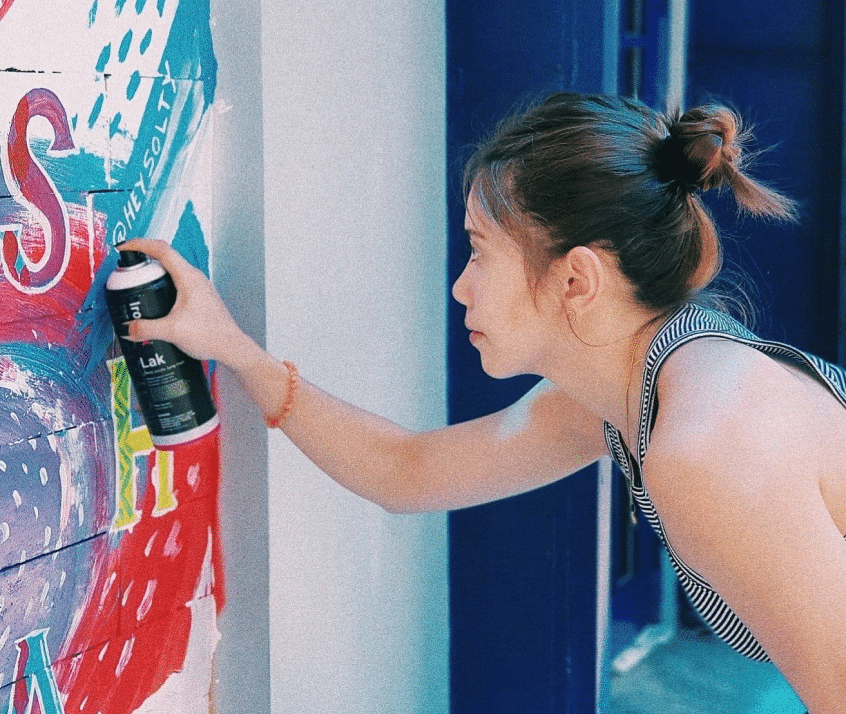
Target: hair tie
x=674 y=166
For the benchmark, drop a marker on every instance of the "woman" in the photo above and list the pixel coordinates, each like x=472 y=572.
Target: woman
x=591 y=255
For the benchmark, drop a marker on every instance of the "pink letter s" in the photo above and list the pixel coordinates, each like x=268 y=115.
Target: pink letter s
x=32 y=188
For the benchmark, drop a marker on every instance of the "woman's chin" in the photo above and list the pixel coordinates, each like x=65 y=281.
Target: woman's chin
x=497 y=371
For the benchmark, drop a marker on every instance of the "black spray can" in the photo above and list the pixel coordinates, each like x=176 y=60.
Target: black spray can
x=171 y=387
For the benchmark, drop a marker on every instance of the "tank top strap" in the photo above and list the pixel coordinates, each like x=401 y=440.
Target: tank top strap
x=689 y=322
x=692 y=321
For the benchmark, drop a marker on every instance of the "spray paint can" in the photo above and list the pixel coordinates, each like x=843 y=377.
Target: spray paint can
x=171 y=387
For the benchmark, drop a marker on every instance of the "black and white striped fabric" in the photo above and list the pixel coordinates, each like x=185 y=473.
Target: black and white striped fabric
x=688 y=323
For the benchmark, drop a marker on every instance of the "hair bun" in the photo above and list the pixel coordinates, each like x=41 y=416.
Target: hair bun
x=702 y=148
x=704 y=151
x=673 y=164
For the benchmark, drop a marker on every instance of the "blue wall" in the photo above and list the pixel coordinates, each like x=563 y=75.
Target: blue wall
x=523 y=571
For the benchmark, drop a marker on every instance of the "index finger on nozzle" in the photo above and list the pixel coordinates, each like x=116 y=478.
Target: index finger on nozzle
x=157 y=249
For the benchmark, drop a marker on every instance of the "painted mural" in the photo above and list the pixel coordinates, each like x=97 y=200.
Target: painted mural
x=110 y=573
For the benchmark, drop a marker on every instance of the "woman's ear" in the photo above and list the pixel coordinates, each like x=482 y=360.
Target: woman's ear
x=581 y=275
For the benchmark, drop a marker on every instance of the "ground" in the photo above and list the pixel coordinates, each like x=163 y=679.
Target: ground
x=695 y=673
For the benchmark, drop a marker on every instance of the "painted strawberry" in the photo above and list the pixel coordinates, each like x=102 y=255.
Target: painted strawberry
x=169 y=565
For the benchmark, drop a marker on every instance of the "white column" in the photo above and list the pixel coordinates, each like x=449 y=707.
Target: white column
x=355 y=241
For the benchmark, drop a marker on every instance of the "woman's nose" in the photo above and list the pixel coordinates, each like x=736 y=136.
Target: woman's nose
x=460 y=290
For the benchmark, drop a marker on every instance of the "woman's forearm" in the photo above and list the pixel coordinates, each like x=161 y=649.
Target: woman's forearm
x=369 y=455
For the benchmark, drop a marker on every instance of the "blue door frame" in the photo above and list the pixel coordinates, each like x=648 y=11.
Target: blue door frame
x=780 y=63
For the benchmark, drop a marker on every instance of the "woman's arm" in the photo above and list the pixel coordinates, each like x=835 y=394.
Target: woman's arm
x=540 y=439
x=527 y=445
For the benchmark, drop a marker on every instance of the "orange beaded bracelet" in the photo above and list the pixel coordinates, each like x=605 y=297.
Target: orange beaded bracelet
x=293 y=382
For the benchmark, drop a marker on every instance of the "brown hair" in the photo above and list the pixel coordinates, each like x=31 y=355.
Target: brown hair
x=608 y=171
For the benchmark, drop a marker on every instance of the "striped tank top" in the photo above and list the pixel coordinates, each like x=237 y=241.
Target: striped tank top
x=688 y=323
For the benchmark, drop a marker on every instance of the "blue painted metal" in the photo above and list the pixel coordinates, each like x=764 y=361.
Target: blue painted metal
x=635 y=554
x=780 y=63
x=522 y=570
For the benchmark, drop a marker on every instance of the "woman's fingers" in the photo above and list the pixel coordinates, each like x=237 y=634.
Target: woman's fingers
x=143 y=330
x=199 y=322
x=153 y=247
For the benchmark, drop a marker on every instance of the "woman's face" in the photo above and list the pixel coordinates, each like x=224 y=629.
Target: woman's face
x=507 y=325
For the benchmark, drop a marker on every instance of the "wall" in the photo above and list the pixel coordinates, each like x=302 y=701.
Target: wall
x=105 y=543
x=355 y=254
x=781 y=66
x=126 y=131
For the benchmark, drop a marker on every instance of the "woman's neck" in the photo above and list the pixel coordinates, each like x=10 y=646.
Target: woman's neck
x=602 y=367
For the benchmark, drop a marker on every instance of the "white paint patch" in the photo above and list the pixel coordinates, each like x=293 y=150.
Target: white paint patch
x=193 y=476
x=146 y=601
x=107 y=588
x=172 y=548
x=15 y=379
x=149 y=547
x=125 y=656
x=187 y=691
x=126 y=592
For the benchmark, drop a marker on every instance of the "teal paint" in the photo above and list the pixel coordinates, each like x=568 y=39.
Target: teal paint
x=125 y=44
x=190 y=241
x=134 y=83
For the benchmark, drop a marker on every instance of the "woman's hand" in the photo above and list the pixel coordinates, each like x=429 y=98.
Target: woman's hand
x=199 y=323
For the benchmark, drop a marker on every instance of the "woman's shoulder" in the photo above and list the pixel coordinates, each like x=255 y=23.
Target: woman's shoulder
x=720 y=396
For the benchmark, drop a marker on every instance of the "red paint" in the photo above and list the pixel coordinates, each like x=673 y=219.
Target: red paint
x=21 y=696
x=64 y=299
x=45 y=261
x=4 y=7
x=168 y=550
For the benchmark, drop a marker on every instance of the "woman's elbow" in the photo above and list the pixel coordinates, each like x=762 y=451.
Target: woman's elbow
x=409 y=490
x=402 y=507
